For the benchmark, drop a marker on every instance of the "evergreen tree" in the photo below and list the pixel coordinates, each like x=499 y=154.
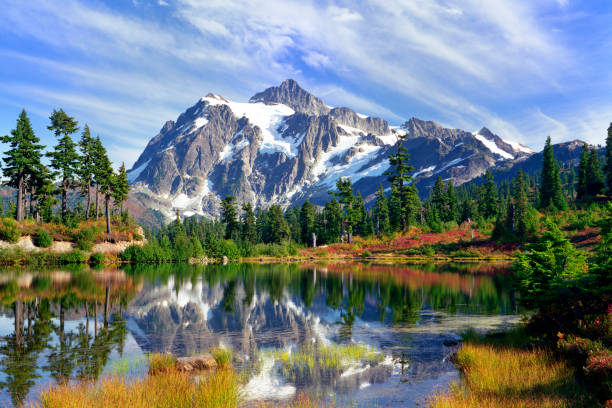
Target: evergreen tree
x=488 y=198
x=608 y=163
x=64 y=157
x=451 y=210
x=307 y=222
x=229 y=217
x=595 y=178
x=437 y=198
x=347 y=199
x=106 y=183
x=395 y=207
x=277 y=224
x=333 y=219
x=86 y=167
x=248 y=228
x=361 y=216
x=551 y=194
x=121 y=188
x=381 y=212
x=99 y=159
x=583 y=166
x=22 y=159
x=558 y=198
x=517 y=214
x=402 y=179
x=44 y=193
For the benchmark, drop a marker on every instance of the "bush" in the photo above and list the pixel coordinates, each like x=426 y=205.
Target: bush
x=9 y=230
x=86 y=238
x=43 y=239
x=598 y=369
x=74 y=256
x=96 y=258
x=366 y=254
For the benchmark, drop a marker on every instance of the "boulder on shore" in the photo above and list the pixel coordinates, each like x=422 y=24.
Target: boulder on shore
x=200 y=362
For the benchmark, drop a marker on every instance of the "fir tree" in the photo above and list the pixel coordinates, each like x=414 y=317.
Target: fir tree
x=488 y=198
x=99 y=159
x=608 y=163
x=333 y=220
x=583 y=166
x=248 y=227
x=452 y=211
x=86 y=168
x=347 y=199
x=121 y=188
x=401 y=178
x=395 y=207
x=307 y=222
x=64 y=158
x=229 y=217
x=105 y=183
x=437 y=198
x=22 y=159
x=595 y=178
x=551 y=194
x=381 y=212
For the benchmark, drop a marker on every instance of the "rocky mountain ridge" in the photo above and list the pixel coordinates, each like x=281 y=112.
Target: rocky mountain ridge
x=286 y=145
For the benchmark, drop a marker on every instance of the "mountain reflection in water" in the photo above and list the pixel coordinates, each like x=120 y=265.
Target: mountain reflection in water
x=66 y=324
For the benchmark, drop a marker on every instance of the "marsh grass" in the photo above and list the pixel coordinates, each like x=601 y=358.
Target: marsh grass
x=172 y=389
x=323 y=362
x=161 y=362
x=499 y=375
x=223 y=356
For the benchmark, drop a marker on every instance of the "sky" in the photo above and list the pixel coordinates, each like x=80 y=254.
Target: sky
x=525 y=69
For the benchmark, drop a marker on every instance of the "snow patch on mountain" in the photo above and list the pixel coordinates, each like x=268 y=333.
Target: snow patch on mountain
x=267 y=117
x=490 y=144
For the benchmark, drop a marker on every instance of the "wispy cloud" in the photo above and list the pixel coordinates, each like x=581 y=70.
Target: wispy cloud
x=465 y=63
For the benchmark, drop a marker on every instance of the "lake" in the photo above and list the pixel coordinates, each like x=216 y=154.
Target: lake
x=352 y=334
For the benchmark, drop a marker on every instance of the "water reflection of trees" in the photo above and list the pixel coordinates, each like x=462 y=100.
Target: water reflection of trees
x=40 y=304
x=399 y=292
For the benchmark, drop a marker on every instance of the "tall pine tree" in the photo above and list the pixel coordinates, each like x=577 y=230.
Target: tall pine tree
x=64 y=158
x=488 y=204
x=22 y=159
x=595 y=178
x=583 y=166
x=86 y=168
x=307 y=222
x=401 y=178
x=551 y=194
x=381 y=212
x=121 y=188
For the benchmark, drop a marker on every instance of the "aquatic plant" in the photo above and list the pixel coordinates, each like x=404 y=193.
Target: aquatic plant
x=160 y=362
x=223 y=356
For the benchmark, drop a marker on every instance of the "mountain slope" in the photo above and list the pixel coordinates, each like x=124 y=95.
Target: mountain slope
x=286 y=145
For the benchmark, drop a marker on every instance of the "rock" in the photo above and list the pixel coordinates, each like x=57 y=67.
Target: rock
x=194 y=363
x=224 y=260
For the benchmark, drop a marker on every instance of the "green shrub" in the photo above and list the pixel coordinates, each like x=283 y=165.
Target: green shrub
x=74 y=256
x=9 y=230
x=43 y=239
x=137 y=237
x=366 y=254
x=86 y=238
x=429 y=251
x=96 y=258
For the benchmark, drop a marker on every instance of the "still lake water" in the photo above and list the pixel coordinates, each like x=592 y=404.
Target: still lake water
x=67 y=324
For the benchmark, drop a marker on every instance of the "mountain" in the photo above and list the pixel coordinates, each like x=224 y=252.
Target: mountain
x=286 y=145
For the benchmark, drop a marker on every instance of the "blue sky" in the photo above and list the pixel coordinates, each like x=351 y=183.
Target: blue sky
x=525 y=69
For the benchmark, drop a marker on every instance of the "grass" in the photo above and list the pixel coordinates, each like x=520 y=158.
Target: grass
x=160 y=362
x=222 y=356
x=497 y=373
x=171 y=389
